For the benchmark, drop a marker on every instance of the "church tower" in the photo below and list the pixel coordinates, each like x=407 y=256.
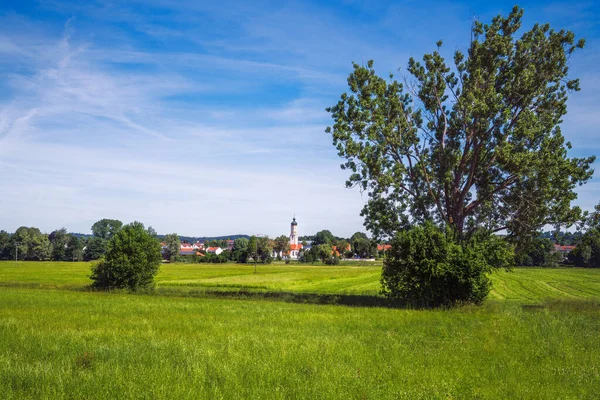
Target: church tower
x=294 y=232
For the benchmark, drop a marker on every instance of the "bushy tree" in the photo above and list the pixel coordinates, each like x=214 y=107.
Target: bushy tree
x=537 y=252
x=240 y=250
x=331 y=260
x=323 y=237
x=74 y=251
x=39 y=248
x=343 y=246
x=258 y=250
x=4 y=245
x=323 y=251
x=30 y=243
x=428 y=266
x=106 y=228
x=364 y=248
x=587 y=251
x=281 y=245
x=131 y=261
x=59 y=240
x=173 y=245
x=94 y=248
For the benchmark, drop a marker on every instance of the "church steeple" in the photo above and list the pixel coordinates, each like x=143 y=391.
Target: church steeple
x=294 y=231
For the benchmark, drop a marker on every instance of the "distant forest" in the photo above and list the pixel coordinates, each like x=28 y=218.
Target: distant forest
x=183 y=239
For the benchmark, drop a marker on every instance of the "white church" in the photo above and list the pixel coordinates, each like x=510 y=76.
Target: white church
x=295 y=247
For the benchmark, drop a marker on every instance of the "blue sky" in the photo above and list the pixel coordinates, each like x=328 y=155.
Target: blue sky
x=207 y=118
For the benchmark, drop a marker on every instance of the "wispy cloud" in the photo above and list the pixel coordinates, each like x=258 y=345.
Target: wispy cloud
x=202 y=118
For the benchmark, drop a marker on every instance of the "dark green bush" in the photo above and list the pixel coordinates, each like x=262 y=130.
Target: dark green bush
x=537 y=252
x=428 y=267
x=131 y=261
x=333 y=260
x=587 y=251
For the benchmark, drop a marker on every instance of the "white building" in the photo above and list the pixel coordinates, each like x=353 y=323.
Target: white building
x=215 y=250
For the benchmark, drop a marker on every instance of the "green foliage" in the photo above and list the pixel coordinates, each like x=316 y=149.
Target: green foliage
x=470 y=145
x=30 y=243
x=74 y=250
x=332 y=260
x=95 y=248
x=4 y=245
x=358 y=235
x=428 y=267
x=281 y=245
x=306 y=257
x=131 y=261
x=587 y=251
x=323 y=251
x=323 y=237
x=59 y=240
x=106 y=228
x=364 y=248
x=173 y=245
x=537 y=252
x=258 y=250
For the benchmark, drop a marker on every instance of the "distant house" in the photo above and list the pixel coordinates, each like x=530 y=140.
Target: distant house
x=214 y=250
x=190 y=253
x=336 y=251
x=384 y=247
x=198 y=246
x=186 y=249
x=230 y=245
x=564 y=250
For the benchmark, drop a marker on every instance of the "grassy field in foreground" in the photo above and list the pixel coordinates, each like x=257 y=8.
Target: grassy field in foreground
x=536 y=337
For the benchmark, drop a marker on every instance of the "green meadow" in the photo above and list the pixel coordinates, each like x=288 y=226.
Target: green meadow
x=291 y=331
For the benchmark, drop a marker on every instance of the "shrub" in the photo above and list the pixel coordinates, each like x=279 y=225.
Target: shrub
x=332 y=260
x=429 y=267
x=131 y=261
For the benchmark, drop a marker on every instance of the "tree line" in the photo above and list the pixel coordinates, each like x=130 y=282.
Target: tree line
x=29 y=243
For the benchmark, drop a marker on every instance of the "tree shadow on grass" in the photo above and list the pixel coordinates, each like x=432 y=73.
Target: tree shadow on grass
x=350 y=300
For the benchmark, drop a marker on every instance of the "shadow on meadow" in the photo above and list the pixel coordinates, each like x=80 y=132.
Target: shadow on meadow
x=351 y=300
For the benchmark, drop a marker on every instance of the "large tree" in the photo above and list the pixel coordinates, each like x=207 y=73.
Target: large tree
x=59 y=240
x=474 y=144
x=281 y=245
x=4 y=245
x=173 y=245
x=74 y=250
x=30 y=243
x=106 y=228
x=323 y=237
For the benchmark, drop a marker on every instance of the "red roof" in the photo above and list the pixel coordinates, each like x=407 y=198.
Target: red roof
x=348 y=248
x=295 y=246
x=211 y=249
x=558 y=247
x=384 y=247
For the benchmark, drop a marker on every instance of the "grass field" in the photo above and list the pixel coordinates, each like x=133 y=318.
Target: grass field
x=536 y=337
